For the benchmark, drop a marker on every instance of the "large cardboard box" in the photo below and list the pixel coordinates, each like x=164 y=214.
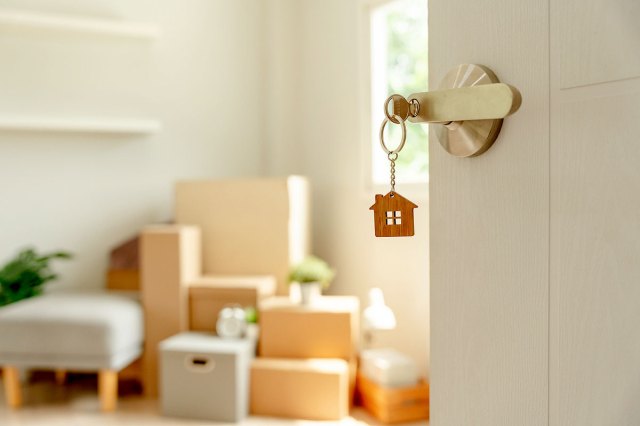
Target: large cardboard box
x=208 y=295
x=169 y=258
x=313 y=389
x=249 y=226
x=326 y=329
x=394 y=405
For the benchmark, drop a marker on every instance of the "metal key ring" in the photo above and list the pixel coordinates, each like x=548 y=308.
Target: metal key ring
x=402 y=139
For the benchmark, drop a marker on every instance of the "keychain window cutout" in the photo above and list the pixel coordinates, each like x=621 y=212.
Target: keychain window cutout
x=394 y=218
x=393 y=215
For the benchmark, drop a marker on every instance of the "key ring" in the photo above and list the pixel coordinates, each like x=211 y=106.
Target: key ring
x=402 y=139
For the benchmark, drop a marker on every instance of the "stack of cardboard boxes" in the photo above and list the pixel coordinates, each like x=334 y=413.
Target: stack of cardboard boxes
x=307 y=358
x=233 y=242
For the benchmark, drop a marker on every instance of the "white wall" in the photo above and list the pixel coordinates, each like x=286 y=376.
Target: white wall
x=314 y=127
x=86 y=193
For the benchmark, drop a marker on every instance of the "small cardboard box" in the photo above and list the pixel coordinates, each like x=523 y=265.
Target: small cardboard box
x=123 y=279
x=313 y=389
x=124 y=266
x=208 y=295
x=326 y=329
x=394 y=405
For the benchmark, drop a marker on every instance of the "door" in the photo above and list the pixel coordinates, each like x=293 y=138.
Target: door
x=535 y=245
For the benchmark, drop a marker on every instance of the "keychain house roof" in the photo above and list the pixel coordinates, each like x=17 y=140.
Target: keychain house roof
x=393 y=215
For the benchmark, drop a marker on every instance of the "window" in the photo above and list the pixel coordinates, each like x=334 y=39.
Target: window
x=398 y=64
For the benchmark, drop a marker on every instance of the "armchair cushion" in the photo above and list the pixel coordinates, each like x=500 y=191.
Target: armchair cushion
x=75 y=331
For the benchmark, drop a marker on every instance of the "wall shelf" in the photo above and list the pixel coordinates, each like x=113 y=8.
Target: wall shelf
x=121 y=126
x=70 y=23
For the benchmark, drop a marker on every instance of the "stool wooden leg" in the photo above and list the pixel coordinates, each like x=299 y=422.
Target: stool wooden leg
x=11 y=377
x=108 y=389
x=61 y=376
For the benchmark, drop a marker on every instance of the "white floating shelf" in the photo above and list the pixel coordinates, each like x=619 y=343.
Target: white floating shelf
x=81 y=125
x=69 y=23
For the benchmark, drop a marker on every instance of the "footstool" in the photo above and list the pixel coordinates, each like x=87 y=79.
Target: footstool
x=79 y=332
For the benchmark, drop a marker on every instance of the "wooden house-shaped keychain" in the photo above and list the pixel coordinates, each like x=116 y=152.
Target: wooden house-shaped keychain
x=393 y=215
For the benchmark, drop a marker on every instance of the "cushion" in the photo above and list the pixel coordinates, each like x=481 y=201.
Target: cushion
x=81 y=331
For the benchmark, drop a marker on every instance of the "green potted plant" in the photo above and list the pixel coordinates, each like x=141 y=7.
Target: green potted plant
x=25 y=275
x=312 y=274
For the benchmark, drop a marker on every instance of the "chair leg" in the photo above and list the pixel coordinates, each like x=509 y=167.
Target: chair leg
x=108 y=389
x=11 y=377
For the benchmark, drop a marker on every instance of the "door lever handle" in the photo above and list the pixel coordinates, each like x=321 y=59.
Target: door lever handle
x=483 y=102
x=468 y=109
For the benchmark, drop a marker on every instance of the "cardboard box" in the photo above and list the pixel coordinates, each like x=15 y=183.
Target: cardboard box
x=353 y=378
x=208 y=295
x=124 y=266
x=326 y=329
x=123 y=279
x=249 y=226
x=313 y=389
x=394 y=405
x=169 y=258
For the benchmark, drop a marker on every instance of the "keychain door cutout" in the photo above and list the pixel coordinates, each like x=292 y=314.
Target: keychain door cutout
x=393 y=215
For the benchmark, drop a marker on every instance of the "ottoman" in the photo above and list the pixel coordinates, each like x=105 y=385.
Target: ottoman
x=81 y=332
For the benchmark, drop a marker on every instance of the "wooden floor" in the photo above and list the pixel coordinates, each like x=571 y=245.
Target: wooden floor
x=76 y=404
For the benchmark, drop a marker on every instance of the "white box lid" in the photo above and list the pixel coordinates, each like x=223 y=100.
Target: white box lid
x=205 y=343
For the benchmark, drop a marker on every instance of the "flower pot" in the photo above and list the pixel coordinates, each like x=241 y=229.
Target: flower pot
x=309 y=292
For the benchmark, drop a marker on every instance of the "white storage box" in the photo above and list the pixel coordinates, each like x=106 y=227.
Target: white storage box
x=205 y=377
x=388 y=367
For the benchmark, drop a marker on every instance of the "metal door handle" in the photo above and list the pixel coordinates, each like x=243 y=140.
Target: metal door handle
x=469 y=106
x=483 y=102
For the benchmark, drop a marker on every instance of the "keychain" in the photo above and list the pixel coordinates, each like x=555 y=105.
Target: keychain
x=393 y=213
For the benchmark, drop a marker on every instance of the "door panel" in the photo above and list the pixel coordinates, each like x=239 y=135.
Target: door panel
x=489 y=227
x=595 y=213
x=595 y=254
x=596 y=40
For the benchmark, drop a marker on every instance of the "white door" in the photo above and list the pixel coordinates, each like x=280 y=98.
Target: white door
x=535 y=245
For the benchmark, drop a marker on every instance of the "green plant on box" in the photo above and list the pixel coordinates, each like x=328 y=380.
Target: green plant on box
x=25 y=275
x=312 y=270
x=251 y=315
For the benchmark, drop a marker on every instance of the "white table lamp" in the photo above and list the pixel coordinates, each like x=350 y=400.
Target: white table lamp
x=377 y=315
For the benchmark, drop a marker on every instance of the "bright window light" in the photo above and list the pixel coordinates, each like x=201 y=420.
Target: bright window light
x=398 y=31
